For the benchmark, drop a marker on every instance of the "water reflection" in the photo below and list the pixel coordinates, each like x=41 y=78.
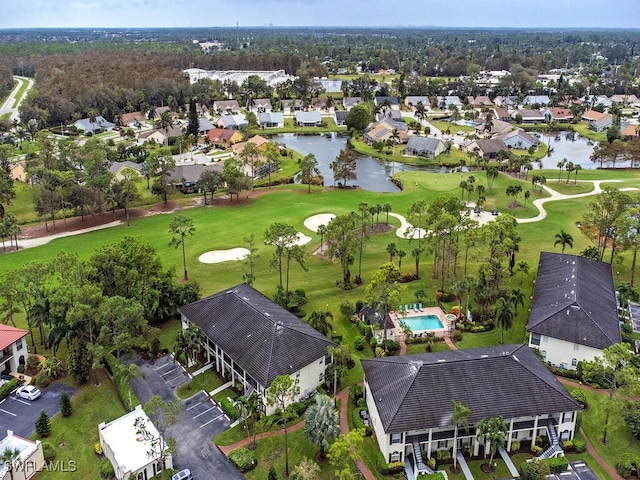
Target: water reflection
x=578 y=150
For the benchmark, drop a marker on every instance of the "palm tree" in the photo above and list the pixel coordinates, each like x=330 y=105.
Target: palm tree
x=163 y=123
x=458 y=419
x=9 y=458
x=570 y=167
x=401 y=254
x=560 y=165
x=415 y=253
x=318 y=320
x=387 y=208
x=576 y=169
x=517 y=297
x=181 y=227
x=523 y=269
x=322 y=424
x=322 y=231
x=392 y=250
x=395 y=137
x=563 y=238
x=126 y=373
x=504 y=315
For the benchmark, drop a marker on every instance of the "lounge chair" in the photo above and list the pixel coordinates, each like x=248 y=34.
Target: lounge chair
x=399 y=308
x=420 y=307
x=406 y=308
x=415 y=307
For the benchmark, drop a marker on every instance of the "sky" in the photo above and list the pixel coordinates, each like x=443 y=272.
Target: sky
x=364 y=13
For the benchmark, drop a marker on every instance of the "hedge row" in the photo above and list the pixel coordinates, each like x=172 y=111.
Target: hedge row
x=8 y=387
x=229 y=409
x=121 y=382
x=244 y=459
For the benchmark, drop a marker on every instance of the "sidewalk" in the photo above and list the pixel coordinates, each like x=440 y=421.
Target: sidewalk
x=226 y=449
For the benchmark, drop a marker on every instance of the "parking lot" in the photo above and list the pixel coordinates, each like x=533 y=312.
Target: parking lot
x=200 y=421
x=20 y=415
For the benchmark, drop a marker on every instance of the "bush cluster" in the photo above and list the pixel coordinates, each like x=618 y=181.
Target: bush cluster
x=244 y=459
x=8 y=387
x=106 y=469
x=626 y=464
x=557 y=465
x=443 y=455
x=229 y=409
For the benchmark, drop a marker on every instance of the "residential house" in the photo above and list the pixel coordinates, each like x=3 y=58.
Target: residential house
x=271 y=120
x=593 y=100
x=412 y=101
x=13 y=345
x=370 y=315
x=18 y=171
x=154 y=136
x=227 y=107
x=529 y=117
x=602 y=123
x=445 y=102
x=223 y=138
x=388 y=112
x=518 y=138
x=322 y=105
x=232 y=122
x=498 y=127
x=502 y=114
x=157 y=111
x=424 y=146
x=28 y=457
x=624 y=99
x=390 y=101
x=510 y=101
x=479 y=101
x=261 y=105
x=629 y=132
x=383 y=130
x=308 y=119
x=128 y=449
x=349 y=102
x=539 y=100
x=259 y=141
x=558 y=114
x=486 y=148
x=251 y=340
x=289 y=107
x=340 y=117
x=117 y=168
x=573 y=314
x=133 y=120
x=185 y=177
x=204 y=125
x=99 y=124
x=410 y=401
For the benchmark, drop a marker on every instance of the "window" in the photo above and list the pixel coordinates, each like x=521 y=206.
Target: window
x=576 y=347
x=321 y=361
x=442 y=444
x=321 y=377
x=535 y=339
x=298 y=374
x=545 y=340
x=327 y=360
x=514 y=435
x=396 y=438
x=19 y=344
x=395 y=457
x=567 y=417
x=574 y=362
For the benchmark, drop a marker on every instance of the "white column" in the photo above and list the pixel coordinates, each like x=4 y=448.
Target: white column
x=510 y=434
x=429 y=444
x=535 y=431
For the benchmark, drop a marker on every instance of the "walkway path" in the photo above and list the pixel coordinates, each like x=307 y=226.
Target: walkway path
x=12 y=103
x=343 y=396
x=36 y=242
x=610 y=470
x=226 y=449
x=449 y=342
x=463 y=465
x=507 y=460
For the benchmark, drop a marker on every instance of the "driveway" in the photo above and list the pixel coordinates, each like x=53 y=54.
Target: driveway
x=200 y=421
x=19 y=415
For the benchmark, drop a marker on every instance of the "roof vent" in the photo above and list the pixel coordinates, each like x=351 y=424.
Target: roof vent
x=575 y=307
x=414 y=365
x=567 y=312
x=484 y=356
x=441 y=360
x=279 y=326
x=267 y=314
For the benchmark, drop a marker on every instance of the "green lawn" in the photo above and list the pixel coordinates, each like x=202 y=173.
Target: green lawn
x=74 y=437
x=207 y=381
x=583 y=129
x=570 y=188
x=453 y=127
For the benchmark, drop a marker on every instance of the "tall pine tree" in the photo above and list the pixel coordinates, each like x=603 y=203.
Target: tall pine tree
x=193 y=127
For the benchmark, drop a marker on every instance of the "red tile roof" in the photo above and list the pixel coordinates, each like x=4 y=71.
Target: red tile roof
x=9 y=335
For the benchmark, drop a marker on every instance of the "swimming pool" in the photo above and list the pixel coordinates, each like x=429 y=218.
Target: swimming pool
x=424 y=322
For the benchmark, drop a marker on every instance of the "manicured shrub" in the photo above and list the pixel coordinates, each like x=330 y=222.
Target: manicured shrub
x=579 y=445
x=579 y=396
x=97 y=448
x=432 y=463
x=373 y=342
x=557 y=465
x=626 y=464
x=244 y=459
x=381 y=464
x=477 y=329
x=106 y=469
x=515 y=446
x=392 y=347
x=32 y=365
x=536 y=450
x=379 y=352
x=65 y=404
x=567 y=445
x=8 y=387
x=229 y=409
x=443 y=455
x=534 y=470
x=21 y=368
x=395 y=467
x=48 y=452
x=358 y=342
x=43 y=424
x=457 y=336
x=299 y=408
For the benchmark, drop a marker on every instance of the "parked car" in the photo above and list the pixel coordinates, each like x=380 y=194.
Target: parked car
x=28 y=392
x=365 y=417
x=183 y=475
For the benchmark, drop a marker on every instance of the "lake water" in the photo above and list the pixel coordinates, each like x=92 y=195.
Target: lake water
x=577 y=151
x=373 y=174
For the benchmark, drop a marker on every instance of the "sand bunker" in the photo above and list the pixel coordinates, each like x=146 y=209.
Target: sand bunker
x=302 y=239
x=218 y=256
x=312 y=223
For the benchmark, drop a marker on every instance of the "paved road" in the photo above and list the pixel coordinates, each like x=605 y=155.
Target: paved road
x=8 y=105
x=20 y=415
x=200 y=421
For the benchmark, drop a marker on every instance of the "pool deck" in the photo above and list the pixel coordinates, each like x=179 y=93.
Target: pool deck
x=437 y=311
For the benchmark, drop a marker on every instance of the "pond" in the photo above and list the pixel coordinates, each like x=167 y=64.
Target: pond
x=578 y=151
x=373 y=174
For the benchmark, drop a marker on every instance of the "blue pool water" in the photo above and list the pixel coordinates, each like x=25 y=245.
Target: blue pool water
x=424 y=322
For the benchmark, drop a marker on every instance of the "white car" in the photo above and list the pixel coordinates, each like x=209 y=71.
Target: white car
x=28 y=392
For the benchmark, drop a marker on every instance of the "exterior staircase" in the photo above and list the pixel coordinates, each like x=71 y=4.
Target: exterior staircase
x=420 y=466
x=554 y=449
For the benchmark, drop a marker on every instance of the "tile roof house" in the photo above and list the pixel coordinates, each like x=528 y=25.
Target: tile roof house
x=340 y=116
x=413 y=100
x=447 y=101
x=629 y=132
x=223 y=138
x=18 y=171
x=624 y=99
x=497 y=127
x=28 y=457
x=133 y=119
x=480 y=101
x=602 y=123
x=308 y=119
x=573 y=314
x=258 y=140
x=392 y=101
x=410 y=400
x=518 y=139
x=13 y=346
x=127 y=451
x=383 y=130
x=560 y=115
x=98 y=125
x=424 y=146
x=117 y=168
x=542 y=100
x=252 y=340
x=502 y=114
x=505 y=101
x=261 y=105
x=185 y=177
